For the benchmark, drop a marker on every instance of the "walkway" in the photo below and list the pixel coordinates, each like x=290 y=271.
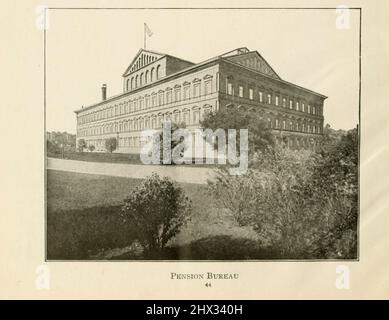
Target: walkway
x=186 y=174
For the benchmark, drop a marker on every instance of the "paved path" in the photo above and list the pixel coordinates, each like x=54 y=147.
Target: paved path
x=184 y=174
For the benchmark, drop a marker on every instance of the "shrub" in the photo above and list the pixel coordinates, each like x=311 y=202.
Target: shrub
x=91 y=147
x=81 y=145
x=301 y=204
x=158 y=208
x=110 y=144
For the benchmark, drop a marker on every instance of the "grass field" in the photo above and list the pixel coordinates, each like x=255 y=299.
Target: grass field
x=124 y=158
x=83 y=223
x=99 y=157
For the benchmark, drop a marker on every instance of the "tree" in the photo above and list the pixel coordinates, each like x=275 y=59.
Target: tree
x=52 y=148
x=91 y=147
x=260 y=136
x=158 y=208
x=81 y=145
x=110 y=144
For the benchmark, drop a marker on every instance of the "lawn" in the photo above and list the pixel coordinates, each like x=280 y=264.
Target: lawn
x=126 y=158
x=99 y=157
x=83 y=223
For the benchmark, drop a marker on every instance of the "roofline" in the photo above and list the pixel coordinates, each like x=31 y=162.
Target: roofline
x=200 y=64
x=279 y=80
x=255 y=51
x=209 y=61
x=163 y=55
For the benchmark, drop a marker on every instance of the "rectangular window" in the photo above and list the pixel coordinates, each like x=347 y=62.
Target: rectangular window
x=196 y=117
x=284 y=102
x=160 y=99
x=297 y=106
x=229 y=88
x=309 y=109
x=207 y=87
x=177 y=94
x=268 y=98
x=186 y=92
x=241 y=91
x=196 y=90
x=251 y=94
x=277 y=100
x=290 y=104
x=260 y=96
x=186 y=117
x=168 y=96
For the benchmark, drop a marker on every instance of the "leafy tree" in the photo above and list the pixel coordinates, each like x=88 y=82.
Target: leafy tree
x=260 y=136
x=110 y=144
x=81 y=145
x=158 y=208
x=52 y=148
x=91 y=147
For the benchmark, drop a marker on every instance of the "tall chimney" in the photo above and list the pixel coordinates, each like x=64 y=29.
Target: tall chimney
x=104 y=92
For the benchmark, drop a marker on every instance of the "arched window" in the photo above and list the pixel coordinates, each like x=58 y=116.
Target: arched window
x=152 y=75
x=147 y=77
x=141 y=79
x=158 y=71
x=128 y=85
x=136 y=81
x=132 y=83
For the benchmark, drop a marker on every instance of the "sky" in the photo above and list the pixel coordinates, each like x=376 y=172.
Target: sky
x=86 y=48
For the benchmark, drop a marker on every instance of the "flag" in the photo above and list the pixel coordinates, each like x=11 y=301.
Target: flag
x=147 y=30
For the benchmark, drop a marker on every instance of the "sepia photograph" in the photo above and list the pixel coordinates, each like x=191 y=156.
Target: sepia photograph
x=202 y=134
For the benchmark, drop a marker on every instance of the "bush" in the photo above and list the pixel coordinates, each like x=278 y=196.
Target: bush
x=158 y=208
x=110 y=144
x=301 y=204
x=81 y=145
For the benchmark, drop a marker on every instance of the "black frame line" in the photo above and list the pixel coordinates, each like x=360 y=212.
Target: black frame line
x=205 y=8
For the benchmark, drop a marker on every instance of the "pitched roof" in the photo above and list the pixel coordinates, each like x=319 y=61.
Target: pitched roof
x=155 y=56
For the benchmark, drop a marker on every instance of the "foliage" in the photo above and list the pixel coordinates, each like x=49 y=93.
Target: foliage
x=91 y=147
x=81 y=145
x=111 y=144
x=302 y=204
x=260 y=136
x=52 y=149
x=158 y=208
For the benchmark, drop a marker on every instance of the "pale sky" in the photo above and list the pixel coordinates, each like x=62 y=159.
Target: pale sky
x=86 y=48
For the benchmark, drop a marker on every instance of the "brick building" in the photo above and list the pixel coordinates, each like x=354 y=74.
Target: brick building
x=158 y=86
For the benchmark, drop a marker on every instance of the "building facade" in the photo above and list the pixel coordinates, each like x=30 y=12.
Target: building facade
x=158 y=87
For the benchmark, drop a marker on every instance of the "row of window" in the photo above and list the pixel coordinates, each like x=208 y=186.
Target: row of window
x=153 y=122
x=145 y=77
x=310 y=127
x=137 y=141
x=275 y=99
x=167 y=96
